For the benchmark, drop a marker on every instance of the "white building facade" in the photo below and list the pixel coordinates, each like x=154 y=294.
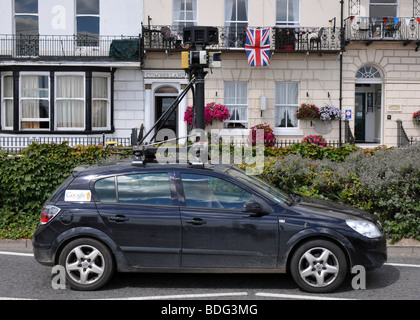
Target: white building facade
x=370 y=71
x=70 y=69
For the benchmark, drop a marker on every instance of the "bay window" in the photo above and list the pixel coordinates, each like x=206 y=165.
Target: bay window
x=56 y=101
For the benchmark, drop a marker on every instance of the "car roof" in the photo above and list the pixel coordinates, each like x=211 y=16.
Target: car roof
x=127 y=167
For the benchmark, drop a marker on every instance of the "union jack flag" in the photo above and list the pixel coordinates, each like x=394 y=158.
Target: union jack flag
x=257 y=47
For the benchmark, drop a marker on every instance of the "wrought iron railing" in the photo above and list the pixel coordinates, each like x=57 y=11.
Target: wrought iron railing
x=169 y=38
x=17 y=143
x=382 y=29
x=348 y=134
x=68 y=46
x=402 y=136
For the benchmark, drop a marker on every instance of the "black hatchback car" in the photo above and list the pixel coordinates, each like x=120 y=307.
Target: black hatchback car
x=183 y=218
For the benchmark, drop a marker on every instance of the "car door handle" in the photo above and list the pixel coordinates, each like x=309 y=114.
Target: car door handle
x=119 y=218
x=197 y=222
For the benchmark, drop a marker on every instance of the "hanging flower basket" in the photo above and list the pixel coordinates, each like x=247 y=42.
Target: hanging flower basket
x=416 y=117
x=329 y=113
x=212 y=112
x=307 y=112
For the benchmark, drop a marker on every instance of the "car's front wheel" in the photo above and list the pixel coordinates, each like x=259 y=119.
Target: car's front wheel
x=88 y=264
x=318 y=266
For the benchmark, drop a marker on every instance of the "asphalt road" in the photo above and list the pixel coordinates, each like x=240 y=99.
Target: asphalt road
x=22 y=277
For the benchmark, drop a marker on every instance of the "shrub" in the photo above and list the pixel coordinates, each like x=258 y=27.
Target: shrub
x=385 y=182
x=27 y=180
x=315 y=139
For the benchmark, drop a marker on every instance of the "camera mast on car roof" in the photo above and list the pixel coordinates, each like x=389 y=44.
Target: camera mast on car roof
x=194 y=62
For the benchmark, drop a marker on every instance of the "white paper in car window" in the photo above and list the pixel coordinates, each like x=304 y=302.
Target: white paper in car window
x=78 y=196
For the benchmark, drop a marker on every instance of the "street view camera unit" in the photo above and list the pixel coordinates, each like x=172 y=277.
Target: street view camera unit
x=199 y=38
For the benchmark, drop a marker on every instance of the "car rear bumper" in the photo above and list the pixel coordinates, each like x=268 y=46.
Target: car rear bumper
x=43 y=255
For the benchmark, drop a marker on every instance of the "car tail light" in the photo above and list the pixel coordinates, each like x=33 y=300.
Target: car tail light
x=48 y=213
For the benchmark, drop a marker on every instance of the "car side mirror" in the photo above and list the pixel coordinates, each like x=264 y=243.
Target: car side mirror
x=254 y=209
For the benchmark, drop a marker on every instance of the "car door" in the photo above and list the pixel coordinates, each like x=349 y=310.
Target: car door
x=217 y=233
x=141 y=212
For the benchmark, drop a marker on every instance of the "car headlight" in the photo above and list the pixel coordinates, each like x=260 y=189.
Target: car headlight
x=365 y=228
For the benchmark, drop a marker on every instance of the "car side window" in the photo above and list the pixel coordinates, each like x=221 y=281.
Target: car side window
x=212 y=192
x=105 y=188
x=147 y=188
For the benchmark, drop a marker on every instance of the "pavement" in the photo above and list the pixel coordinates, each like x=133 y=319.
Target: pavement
x=407 y=250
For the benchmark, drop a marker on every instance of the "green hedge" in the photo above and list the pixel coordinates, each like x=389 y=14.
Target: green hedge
x=385 y=182
x=27 y=180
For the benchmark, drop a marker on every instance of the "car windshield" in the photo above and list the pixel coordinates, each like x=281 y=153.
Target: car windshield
x=273 y=192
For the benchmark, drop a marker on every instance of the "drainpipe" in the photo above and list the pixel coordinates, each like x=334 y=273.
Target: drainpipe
x=342 y=35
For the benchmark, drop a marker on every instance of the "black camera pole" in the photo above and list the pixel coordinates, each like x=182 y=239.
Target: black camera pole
x=199 y=101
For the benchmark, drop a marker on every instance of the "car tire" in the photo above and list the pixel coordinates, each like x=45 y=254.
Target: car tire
x=88 y=264
x=319 y=266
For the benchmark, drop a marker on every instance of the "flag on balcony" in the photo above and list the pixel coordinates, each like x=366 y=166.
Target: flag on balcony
x=257 y=47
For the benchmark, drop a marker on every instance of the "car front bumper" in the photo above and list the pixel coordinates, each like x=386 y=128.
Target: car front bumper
x=369 y=253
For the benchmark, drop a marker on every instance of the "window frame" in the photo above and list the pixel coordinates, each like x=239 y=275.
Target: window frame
x=108 y=100
x=277 y=105
x=232 y=27
x=21 y=99
x=244 y=122
x=4 y=99
x=185 y=204
x=288 y=23
x=56 y=76
x=87 y=39
x=25 y=14
x=396 y=5
x=116 y=189
x=182 y=23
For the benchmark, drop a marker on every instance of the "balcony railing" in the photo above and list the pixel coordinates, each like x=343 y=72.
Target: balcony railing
x=382 y=29
x=69 y=47
x=170 y=38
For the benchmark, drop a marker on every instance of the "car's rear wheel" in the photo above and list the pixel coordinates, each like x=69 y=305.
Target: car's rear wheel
x=319 y=266
x=88 y=264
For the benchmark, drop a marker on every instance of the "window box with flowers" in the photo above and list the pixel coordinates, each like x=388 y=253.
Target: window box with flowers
x=416 y=117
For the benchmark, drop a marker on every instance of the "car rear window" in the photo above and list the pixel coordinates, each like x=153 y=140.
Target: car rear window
x=144 y=189
x=105 y=188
